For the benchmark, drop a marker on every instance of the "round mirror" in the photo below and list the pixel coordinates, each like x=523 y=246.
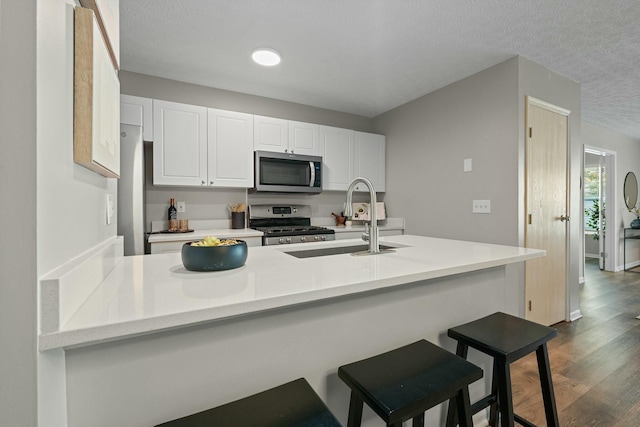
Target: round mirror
x=630 y=190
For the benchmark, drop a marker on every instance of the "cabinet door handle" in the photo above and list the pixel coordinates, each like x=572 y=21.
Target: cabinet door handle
x=210 y=182
x=203 y=182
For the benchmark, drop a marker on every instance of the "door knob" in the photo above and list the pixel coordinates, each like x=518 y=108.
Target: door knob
x=564 y=218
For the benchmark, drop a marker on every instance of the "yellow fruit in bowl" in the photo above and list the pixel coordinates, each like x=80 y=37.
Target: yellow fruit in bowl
x=214 y=241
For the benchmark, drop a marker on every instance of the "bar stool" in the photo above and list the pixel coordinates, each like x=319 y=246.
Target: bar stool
x=507 y=338
x=404 y=383
x=293 y=404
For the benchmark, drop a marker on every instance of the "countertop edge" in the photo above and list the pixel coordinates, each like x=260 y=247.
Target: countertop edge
x=124 y=330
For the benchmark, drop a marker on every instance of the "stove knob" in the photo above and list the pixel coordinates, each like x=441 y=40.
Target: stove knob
x=323 y=238
x=316 y=238
x=288 y=239
x=281 y=240
x=303 y=239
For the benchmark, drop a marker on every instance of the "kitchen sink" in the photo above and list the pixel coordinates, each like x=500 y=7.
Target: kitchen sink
x=340 y=250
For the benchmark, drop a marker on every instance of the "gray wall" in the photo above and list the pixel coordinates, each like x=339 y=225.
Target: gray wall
x=18 y=274
x=427 y=142
x=481 y=117
x=627 y=156
x=545 y=85
x=211 y=203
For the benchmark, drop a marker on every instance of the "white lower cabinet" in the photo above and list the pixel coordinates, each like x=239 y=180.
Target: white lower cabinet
x=176 y=246
x=197 y=146
x=343 y=235
x=347 y=154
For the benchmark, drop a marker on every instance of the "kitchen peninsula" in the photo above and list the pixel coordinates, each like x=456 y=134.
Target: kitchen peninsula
x=213 y=337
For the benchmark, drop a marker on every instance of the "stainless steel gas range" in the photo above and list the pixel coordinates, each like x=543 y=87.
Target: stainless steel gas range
x=283 y=224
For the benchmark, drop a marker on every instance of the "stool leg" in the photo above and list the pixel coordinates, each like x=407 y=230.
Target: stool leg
x=544 y=370
x=504 y=393
x=355 y=411
x=452 y=417
x=493 y=409
x=418 y=421
x=463 y=404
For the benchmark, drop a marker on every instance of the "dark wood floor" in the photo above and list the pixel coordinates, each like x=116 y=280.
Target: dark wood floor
x=595 y=361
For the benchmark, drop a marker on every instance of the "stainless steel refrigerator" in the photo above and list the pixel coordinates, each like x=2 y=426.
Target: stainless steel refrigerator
x=131 y=210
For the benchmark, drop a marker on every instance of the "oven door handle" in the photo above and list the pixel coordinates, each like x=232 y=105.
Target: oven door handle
x=312 y=178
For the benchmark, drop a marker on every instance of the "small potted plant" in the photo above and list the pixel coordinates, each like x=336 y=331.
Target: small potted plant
x=636 y=222
x=593 y=218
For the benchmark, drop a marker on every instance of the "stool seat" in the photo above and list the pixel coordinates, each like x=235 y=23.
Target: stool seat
x=294 y=404
x=403 y=383
x=501 y=334
x=507 y=338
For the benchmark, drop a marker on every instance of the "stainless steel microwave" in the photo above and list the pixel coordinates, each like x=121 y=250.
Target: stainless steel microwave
x=287 y=173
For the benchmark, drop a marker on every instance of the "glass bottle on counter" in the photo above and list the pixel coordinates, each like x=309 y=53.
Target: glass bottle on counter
x=173 y=212
x=173 y=216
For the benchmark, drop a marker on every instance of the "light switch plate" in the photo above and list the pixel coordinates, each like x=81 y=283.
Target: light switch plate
x=182 y=207
x=109 y=208
x=468 y=165
x=481 y=206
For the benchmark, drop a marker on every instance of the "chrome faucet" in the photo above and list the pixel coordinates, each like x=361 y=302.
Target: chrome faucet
x=371 y=232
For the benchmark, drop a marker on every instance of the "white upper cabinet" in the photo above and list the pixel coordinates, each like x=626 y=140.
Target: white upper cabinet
x=303 y=138
x=347 y=154
x=337 y=148
x=199 y=146
x=285 y=136
x=230 y=149
x=137 y=111
x=370 y=160
x=270 y=134
x=180 y=144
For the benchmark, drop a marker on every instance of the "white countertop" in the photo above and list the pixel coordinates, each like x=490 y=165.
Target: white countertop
x=149 y=293
x=209 y=228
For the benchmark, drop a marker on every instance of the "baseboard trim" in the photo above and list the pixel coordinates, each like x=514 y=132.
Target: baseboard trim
x=575 y=315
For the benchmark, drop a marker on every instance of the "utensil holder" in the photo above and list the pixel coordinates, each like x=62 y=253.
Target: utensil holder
x=237 y=220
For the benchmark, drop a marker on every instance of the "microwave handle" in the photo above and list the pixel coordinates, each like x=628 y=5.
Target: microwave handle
x=312 y=167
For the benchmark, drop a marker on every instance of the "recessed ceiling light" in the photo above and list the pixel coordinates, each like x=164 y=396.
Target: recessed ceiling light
x=266 y=56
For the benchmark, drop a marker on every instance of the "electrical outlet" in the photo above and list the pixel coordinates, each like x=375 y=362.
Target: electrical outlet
x=182 y=207
x=481 y=206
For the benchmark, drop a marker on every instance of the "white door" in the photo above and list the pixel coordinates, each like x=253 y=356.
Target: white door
x=230 y=152
x=303 y=138
x=180 y=144
x=337 y=148
x=270 y=134
x=370 y=159
x=546 y=224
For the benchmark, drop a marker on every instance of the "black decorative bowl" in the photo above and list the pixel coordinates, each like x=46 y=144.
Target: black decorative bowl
x=214 y=258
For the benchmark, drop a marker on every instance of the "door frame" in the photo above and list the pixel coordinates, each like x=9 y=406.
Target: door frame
x=611 y=246
x=530 y=100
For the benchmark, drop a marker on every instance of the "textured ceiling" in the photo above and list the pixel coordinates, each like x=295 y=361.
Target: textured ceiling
x=369 y=56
